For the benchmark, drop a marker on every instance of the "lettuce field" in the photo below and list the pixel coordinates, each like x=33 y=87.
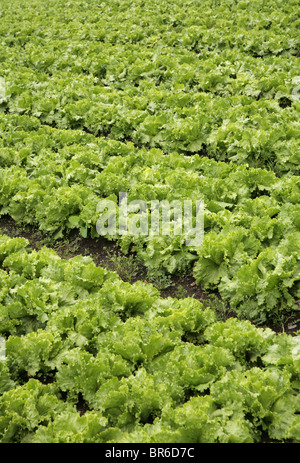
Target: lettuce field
x=169 y=101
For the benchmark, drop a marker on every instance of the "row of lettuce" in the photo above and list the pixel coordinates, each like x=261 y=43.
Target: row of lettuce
x=223 y=81
x=90 y=358
x=54 y=179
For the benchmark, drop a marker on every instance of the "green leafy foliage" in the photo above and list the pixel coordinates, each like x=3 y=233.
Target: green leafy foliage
x=193 y=101
x=117 y=363
x=250 y=217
